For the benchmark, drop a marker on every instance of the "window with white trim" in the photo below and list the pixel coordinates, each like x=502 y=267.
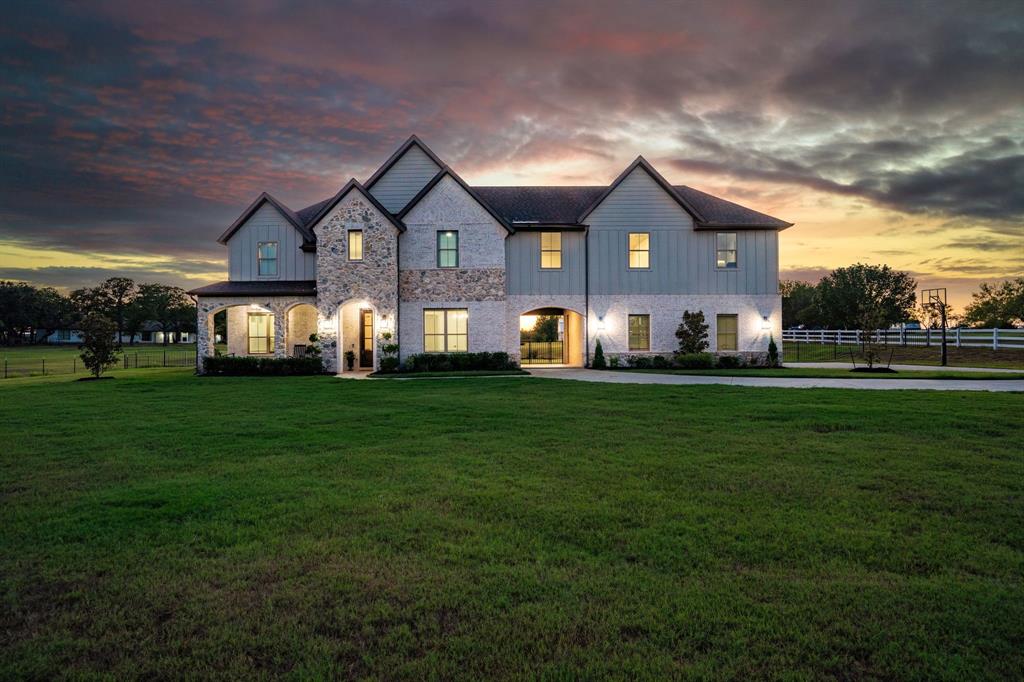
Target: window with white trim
x=266 y=259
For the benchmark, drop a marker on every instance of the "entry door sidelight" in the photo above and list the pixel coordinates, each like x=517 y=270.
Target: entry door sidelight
x=366 y=338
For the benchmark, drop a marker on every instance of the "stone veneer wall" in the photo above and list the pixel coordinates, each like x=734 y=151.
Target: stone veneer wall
x=457 y=284
x=340 y=281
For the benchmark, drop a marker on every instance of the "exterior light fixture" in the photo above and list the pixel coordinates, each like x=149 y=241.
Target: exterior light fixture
x=765 y=323
x=600 y=324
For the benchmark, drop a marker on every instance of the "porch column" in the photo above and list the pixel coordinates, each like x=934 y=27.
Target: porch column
x=280 y=329
x=204 y=333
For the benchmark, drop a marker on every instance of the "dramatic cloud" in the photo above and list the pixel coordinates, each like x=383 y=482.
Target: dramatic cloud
x=142 y=129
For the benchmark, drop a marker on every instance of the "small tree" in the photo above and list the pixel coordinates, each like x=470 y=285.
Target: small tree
x=598 y=362
x=773 y=352
x=692 y=333
x=99 y=344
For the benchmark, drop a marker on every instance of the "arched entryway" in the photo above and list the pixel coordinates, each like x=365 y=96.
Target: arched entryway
x=301 y=324
x=358 y=327
x=551 y=336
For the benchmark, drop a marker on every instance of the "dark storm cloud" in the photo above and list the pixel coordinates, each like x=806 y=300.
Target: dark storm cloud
x=130 y=127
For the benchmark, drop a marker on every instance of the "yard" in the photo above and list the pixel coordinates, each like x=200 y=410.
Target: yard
x=165 y=525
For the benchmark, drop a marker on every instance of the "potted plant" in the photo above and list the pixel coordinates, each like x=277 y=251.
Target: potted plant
x=350 y=360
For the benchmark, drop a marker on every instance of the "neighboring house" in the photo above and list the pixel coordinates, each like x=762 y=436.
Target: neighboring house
x=151 y=332
x=445 y=267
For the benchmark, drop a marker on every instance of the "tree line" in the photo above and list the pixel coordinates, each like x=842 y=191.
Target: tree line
x=877 y=297
x=29 y=314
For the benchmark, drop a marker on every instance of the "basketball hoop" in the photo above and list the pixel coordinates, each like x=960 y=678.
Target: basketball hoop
x=935 y=299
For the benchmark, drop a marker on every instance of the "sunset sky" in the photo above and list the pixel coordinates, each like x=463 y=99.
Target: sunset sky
x=134 y=133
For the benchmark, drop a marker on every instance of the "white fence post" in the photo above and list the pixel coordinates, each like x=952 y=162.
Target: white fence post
x=995 y=339
x=958 y=337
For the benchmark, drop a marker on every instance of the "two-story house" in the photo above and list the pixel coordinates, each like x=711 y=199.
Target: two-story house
x=539 y=272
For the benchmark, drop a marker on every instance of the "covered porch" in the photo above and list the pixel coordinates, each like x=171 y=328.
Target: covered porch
x=552 y=337
x=263 y=319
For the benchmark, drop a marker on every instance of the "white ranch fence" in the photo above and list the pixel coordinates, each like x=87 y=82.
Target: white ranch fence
x=994 y=339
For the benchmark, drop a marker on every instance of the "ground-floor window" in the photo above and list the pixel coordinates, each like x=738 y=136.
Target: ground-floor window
x=727 y=326
x=261 y=333
x=446 y=330
x=639 y=332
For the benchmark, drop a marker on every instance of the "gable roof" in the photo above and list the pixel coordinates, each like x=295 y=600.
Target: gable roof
x=328 y=204
x=265 y=198
x=642 y=163
x=446 y=171
x=399 y=153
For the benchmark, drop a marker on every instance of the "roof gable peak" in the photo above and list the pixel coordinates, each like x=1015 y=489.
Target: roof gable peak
x=446 y=171
x=413 y=140
x=349 y=186
x=280 y=207
x=642 y=163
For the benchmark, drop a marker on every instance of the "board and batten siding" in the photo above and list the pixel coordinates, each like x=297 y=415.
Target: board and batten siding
x=268 y=225
x=404 y=179
x=682 y=260
x=525 y=276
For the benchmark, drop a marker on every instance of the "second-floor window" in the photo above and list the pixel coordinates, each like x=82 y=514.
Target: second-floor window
x=448 y=249
x=355 y=245
x=550 y=250
x=639 y=250
x=725 y=250
x=266 y=258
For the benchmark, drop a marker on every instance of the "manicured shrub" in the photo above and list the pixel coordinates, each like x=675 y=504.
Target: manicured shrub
x=254 y=366
x=389 y=364
x=614 y=361
x=640 y=362
x=659 y=362
x=692 y=333
x=773 y=352
x=598 y=362
x=695 y=360
x=456 y=362
x=731 y=361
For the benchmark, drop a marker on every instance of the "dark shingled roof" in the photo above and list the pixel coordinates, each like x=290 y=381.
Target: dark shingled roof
x=564 y=205
x=307 y=214
x=305 y=287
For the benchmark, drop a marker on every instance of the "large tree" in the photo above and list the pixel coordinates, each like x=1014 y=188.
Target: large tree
x=166 y=305
x=862 y=296
x=16 y=300
x=799 y=304
x=120 y=294
x=997 y=305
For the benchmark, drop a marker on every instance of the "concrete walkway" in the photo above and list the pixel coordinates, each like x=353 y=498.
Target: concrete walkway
x=904 y=368
x=1003 y=385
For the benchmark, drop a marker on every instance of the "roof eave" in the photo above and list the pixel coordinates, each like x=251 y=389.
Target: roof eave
x=264 y=197
x=393 y=159
x=446 y=170
x=353 y=184
x=641 y=162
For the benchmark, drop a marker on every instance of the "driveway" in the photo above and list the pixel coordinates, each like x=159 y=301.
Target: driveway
x=1006 y=385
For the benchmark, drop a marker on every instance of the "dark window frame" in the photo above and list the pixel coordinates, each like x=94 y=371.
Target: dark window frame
x=348 y=245
x=270 y=337
x=630 y=251
x=646 y=328
x=735 y=251
x=558 y=251
x=261 y=259
x=445 y=334
x=445 y=233
x=735 y=333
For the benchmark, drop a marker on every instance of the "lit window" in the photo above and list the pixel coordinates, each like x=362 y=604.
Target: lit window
x=355 y=245
x=550 y=250
x=266 y=258
x=726 y=326
x=446 y=331
x=639 y=332
x=261 y=333
x=725 y=249
x=448 y=249
x=639 y=249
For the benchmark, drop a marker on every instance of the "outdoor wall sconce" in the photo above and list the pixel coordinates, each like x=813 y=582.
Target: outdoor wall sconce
x=600 y=324
x=765 y=323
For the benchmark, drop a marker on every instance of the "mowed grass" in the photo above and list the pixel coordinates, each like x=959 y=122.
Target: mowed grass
x=1002 y=358
x=164 y=525
x=830 y=373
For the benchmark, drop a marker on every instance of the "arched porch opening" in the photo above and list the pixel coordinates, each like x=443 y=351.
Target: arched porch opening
x=301 y=320
x=551 y=336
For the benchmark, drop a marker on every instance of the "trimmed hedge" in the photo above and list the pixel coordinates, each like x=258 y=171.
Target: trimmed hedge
x=695 y=360
x=238 y=366
x=457 y=362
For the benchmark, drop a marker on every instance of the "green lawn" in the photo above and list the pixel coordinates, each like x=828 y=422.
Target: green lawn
x=18 y=361
x=816 y=373
x=164 y=525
